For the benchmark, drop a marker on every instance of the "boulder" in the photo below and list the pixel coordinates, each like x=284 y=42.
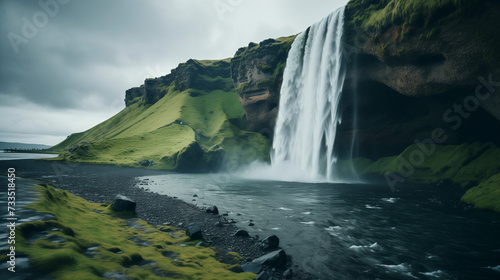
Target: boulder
x=144 y=162
x=212 y=210
x=276 y=258
x=122 y=203
x=270 y=243
x=242 y=233
x=252 y=267
x=194 y=231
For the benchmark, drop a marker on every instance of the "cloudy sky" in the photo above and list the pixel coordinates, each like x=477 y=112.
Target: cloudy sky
x=65 y=64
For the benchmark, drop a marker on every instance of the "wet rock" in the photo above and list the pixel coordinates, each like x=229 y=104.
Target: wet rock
x=194 y=231
x=277 y=258
x=252 y=267
x=270 y=243
x=262 y=276
x=251 y=224
x=122 y=203
x=242 y=233
x=219 y=224
x=212 y=210
x=287 y=274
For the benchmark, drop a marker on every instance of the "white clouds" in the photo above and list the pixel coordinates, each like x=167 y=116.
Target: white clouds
x=81 y=62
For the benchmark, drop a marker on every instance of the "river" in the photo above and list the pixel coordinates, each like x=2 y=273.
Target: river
x=354 y=231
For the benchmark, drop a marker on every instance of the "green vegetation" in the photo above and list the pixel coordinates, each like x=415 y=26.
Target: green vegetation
x=486 y=195
x=87 y=240
x=269 y=57
x=414 y=13
x=196 y=129
x=405 y=16
x=473 y=166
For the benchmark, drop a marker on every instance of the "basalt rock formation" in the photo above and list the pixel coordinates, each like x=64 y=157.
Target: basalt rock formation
x=257 y=74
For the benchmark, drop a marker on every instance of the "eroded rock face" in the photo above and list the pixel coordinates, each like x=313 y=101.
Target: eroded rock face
x=186 y=76
x=404 y=78
x=454 y=53
x=257 y=73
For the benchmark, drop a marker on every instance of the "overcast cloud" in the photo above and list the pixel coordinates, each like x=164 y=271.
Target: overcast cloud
x=65 y=64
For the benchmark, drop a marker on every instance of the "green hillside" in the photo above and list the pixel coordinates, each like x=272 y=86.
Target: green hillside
x=191 y=120
x=473 y=167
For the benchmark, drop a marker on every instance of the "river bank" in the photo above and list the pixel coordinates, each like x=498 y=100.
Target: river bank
x=98 y=183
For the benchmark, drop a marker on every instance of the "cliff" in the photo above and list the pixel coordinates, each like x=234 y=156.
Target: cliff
x=257 y=74
x=413 y=68
x=189 y=120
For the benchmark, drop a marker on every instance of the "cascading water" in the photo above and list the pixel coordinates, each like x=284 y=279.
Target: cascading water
x=304 y=136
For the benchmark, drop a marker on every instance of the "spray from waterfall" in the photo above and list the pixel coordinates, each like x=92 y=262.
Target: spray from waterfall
x=308 y=117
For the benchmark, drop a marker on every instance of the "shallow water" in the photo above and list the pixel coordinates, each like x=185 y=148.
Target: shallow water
x=354 y=231
x=15 y=156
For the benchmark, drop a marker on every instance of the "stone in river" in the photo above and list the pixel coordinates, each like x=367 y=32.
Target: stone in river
x=212 y=210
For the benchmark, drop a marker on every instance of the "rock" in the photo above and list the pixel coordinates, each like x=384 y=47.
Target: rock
x=194 y=231
x=122 y=203
x=145 y=162
x=252 y=267
x=212 y=210
x=277 y=258
x=287 y=274
x=270 y=243
x=262 y=276
x=251 y=224
x=242 y=233
x=219 y=224
x=257 y=74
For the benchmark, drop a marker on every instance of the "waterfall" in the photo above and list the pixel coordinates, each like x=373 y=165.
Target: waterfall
x=304 y=136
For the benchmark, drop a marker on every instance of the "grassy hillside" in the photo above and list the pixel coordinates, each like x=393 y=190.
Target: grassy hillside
x=196 y=126
x=473 y=167
x=89 y=241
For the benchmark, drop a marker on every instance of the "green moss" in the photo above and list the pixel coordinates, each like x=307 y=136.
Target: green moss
x=468 y=165
x=367 y=15
x=94 y=227
x=405 y=16
x=486 y=195
x=165 y=132
x=269 y=56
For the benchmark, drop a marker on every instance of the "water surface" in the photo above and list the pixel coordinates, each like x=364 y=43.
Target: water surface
x=355 y=231
x=15 y=156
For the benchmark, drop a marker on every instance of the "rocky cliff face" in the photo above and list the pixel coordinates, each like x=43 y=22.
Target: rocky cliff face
x=416 y=67
x=198 y=77
x=190 y=120
x=427 y=49
x=411 y=67
x=257 y=74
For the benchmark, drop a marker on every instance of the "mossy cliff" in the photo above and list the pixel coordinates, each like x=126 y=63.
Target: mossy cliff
x=89 y=241
x=415 y=67
x=190 y=120
x=257 y=73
